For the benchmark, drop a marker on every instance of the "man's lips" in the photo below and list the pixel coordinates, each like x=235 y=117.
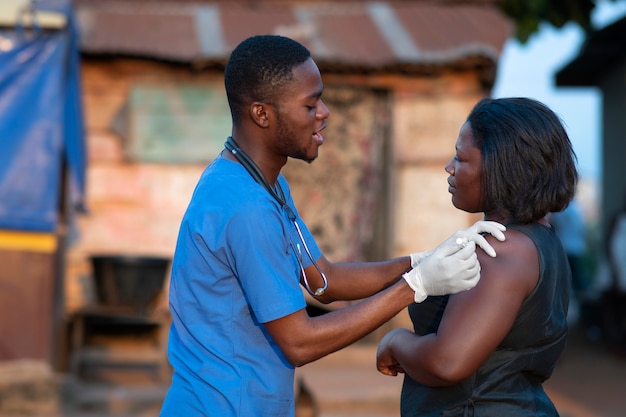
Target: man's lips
x=318 y=135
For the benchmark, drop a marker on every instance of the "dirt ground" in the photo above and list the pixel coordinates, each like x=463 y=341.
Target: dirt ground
x=588 y=382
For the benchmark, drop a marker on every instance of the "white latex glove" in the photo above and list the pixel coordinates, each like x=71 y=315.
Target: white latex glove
x=462 y=237
x=448 y=269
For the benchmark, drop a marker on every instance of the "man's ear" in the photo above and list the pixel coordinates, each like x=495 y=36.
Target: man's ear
x=261 y=113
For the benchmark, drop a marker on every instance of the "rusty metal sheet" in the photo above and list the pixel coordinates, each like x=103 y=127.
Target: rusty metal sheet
x=27 y=303
x=365 y=35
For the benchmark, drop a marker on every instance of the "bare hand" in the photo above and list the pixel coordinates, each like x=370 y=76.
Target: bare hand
x=386 y=363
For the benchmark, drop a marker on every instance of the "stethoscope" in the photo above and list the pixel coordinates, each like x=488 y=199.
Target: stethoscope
x=257 y=175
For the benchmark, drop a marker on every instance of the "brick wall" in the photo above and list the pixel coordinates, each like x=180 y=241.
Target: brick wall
x=133 y=208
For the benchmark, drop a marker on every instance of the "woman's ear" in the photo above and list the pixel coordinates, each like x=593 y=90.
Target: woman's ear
x=261 y=113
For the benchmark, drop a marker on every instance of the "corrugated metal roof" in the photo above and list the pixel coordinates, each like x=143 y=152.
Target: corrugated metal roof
x=364 y=35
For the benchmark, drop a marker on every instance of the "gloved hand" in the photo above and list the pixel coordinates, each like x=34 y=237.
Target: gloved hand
x=461 y=237
x=453 y=265
x=448 y=269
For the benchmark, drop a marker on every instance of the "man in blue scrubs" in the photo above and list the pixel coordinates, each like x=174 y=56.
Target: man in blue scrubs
x=239 y=323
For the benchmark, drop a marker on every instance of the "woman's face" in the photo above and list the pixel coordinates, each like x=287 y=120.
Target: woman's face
x=464 y=182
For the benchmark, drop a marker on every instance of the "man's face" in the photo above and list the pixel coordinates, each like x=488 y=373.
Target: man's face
x=301 y=114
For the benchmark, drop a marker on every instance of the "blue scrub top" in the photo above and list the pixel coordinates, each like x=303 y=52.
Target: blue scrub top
x=233 y=269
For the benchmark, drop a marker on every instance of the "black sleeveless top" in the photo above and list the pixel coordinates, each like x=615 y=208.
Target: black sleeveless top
x=509 y=382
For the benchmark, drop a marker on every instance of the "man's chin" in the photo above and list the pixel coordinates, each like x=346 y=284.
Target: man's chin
x=306 y=158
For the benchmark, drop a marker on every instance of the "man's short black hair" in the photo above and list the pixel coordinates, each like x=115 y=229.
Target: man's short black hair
x=258 y=68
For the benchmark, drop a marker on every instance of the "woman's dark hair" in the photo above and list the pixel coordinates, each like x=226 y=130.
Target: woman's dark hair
x=258 y=68
x=529 y=166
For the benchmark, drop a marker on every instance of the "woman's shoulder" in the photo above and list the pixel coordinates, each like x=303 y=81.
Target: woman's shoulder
x=518 y=244
x=516 y=262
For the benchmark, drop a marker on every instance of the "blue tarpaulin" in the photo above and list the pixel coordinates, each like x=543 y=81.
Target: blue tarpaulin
x=41 y=122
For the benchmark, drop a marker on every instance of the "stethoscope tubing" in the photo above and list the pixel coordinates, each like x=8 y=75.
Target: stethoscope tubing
x=257 y=175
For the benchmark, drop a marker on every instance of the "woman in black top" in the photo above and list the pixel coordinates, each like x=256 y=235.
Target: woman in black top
x=487 y=351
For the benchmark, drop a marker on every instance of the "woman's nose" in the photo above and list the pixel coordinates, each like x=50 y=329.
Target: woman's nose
x=449 y=168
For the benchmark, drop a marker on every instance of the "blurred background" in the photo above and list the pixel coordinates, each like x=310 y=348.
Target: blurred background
x=111 y=109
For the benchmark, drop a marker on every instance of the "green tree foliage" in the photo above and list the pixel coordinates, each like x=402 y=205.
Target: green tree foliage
x=529 y=14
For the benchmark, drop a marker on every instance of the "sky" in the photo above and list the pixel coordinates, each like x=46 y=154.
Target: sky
x=529 y=70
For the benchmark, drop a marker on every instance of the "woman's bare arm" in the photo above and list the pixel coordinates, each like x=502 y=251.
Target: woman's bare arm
x=474 y=322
